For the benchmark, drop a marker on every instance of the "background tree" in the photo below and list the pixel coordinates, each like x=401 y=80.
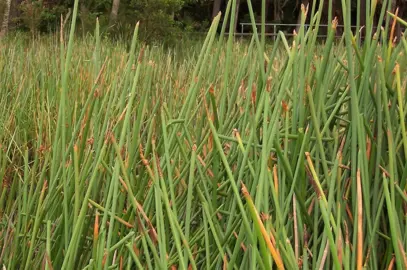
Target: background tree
x=114 y=12
x=216 y=8
x=6 y=16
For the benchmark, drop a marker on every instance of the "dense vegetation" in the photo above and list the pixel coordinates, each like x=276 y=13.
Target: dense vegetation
x=221 y=154
x=166 y=20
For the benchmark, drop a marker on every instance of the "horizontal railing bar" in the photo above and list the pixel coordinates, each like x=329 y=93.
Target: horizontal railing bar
x=268 y=34
x=291 y=24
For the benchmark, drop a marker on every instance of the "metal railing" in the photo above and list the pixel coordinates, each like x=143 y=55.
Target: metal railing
x=277 y=26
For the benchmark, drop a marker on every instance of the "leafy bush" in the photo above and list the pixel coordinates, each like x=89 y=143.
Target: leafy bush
x=157 y=18
x=32 y=14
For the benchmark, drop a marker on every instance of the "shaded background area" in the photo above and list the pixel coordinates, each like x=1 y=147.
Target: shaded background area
x=162 y=20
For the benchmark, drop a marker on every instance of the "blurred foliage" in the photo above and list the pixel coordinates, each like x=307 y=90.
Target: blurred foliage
x=161 y=20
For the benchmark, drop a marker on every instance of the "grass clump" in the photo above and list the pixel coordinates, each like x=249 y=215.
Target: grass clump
x=239 y=156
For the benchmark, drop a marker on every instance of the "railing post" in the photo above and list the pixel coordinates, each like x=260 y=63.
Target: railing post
x=274 y=32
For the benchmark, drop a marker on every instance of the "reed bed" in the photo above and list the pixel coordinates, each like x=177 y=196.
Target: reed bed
x=234 y=156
